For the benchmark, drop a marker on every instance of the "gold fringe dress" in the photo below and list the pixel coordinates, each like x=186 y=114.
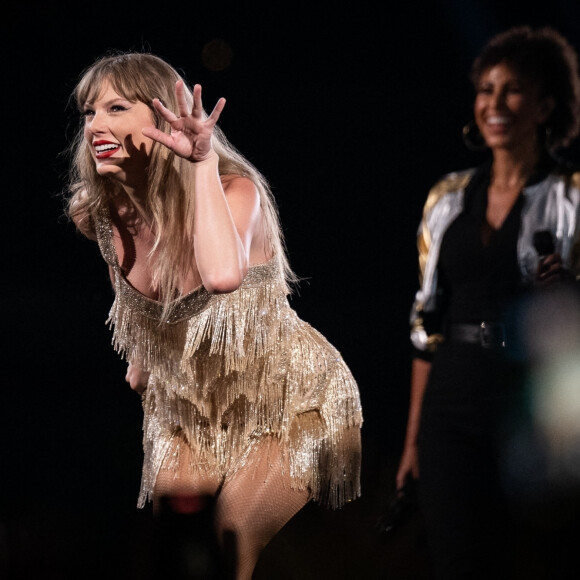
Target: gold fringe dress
x=228 y=370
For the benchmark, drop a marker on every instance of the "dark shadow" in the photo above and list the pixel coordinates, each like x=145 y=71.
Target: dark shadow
x=185 y=544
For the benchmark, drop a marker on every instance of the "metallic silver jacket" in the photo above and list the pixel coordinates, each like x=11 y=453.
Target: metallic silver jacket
x=552 y=204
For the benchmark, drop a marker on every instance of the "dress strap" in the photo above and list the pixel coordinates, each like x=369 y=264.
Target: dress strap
x=104 y=230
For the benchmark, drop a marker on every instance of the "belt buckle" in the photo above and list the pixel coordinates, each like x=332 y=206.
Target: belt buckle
x=492 y=335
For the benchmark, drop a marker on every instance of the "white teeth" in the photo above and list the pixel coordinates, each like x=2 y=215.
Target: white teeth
x=107 y=147
x=497 y=120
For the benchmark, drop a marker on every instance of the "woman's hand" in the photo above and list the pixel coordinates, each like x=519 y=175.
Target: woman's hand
x=408 y=466
x=137 y=378
x=551 y=270
x=191 y=132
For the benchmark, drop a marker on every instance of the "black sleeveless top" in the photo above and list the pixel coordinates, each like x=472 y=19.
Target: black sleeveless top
x=479 y=279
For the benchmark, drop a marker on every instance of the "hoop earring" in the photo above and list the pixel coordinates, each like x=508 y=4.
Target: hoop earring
x=472 y=138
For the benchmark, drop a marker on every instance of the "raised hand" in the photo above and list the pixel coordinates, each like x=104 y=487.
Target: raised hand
x=191 y=132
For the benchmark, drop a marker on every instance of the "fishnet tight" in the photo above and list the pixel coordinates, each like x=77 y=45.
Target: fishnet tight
x=253 y=505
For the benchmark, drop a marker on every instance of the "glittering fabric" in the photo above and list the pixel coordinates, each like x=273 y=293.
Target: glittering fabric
x=228 y=370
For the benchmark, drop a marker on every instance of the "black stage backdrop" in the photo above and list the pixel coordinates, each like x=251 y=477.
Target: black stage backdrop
x=351 y=112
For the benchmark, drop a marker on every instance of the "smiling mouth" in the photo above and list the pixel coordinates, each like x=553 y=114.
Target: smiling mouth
x=106 y=150
x=497 y=121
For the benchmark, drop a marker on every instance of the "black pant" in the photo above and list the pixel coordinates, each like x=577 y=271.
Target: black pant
x=464 y=428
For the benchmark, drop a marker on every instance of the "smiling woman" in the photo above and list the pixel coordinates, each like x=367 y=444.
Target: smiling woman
x=509 y=108
x=478 y=261
x=242 y=400
x=113 y=127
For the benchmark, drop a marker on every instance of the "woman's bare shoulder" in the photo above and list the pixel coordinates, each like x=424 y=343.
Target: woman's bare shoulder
x=80 y=215
x=240 y=187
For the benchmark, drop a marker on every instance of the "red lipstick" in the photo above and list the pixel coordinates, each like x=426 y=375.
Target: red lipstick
x=104 y=149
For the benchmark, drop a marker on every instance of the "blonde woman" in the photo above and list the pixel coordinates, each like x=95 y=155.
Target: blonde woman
x=242 y=400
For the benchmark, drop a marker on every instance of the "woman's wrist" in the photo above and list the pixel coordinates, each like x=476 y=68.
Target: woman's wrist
x=211 y=159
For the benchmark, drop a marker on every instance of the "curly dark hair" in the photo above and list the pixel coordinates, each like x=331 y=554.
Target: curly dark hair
x=546 y=58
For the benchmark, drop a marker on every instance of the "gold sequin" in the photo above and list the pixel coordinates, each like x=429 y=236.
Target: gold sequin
x=228 y=370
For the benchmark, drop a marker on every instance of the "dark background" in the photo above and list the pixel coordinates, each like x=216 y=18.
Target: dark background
x=352 y=112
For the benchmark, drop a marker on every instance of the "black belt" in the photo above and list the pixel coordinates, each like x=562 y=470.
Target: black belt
x=486 y=334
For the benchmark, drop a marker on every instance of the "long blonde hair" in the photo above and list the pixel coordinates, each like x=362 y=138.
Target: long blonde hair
x=168 y=206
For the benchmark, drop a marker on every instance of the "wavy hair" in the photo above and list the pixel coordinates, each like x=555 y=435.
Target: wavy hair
x=168 y=205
